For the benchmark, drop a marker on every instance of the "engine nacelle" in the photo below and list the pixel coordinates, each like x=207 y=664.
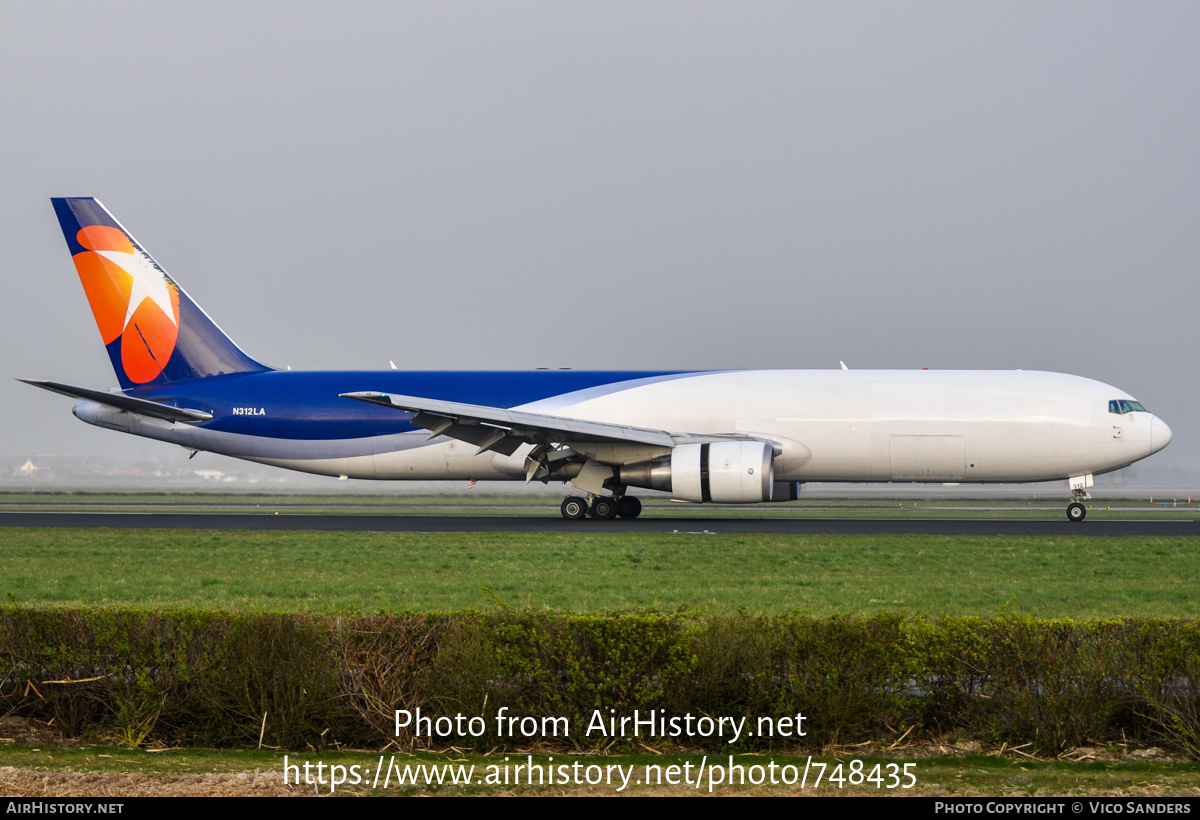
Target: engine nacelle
x=725 y=472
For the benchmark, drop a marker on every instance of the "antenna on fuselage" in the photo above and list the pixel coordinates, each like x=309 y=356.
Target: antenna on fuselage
x=843 y=364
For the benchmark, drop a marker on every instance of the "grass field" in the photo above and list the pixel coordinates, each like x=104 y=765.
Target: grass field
x=1042 y=508
x=1077 y=577
x=118 y=770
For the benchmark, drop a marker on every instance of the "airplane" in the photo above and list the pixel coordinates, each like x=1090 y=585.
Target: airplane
x=728 y=436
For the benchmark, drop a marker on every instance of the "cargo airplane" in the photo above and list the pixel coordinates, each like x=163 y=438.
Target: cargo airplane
x=731 y=436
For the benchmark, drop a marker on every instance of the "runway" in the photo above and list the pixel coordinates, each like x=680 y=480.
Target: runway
x=535 y=524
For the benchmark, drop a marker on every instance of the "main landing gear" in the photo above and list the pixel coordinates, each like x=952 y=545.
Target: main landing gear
x=629 y=507
x=602 y=508
x=574 y=508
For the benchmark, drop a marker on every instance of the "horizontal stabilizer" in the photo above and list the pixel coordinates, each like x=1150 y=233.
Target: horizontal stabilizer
x=122 y=402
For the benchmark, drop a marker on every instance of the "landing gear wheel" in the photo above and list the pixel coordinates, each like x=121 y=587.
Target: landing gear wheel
x=629 y=507
x=1076 y=512
x=574 y=508
x=604 y=509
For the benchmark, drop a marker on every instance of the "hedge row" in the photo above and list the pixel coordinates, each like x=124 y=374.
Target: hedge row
x=297 y=681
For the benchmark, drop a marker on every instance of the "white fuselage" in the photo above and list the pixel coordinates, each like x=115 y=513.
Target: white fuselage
x=856 y=425
x=830 y=425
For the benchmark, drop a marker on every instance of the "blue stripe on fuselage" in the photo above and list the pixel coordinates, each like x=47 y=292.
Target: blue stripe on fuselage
x=306 y=405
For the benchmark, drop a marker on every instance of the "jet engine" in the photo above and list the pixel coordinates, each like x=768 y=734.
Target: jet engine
x=726 y=472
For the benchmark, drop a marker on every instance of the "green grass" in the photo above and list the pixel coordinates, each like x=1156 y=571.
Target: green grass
x=974 y=774
x=819 y=575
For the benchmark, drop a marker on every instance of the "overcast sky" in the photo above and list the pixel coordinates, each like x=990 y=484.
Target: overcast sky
x=605 y=185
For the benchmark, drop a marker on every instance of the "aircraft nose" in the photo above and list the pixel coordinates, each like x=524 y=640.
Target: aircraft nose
x=1160 y=434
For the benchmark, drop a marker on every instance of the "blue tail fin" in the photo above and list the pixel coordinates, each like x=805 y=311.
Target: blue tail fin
x=154 y=332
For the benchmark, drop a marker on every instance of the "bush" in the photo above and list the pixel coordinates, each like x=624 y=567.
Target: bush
x=575 y=666
x=1054 y=684
x=387 y=662
x=210 y=678
x=1165 y=679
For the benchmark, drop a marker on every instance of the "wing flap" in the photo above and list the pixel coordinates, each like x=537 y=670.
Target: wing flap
x=483 y=436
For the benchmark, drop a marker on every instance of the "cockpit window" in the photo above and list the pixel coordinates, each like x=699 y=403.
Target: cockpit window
x=1121 y=406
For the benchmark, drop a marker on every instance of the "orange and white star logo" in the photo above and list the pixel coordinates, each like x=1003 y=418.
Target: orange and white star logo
x=131 y=298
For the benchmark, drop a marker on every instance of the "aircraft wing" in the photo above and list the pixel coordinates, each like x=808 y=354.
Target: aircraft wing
x=144 y=407
x=495 y=428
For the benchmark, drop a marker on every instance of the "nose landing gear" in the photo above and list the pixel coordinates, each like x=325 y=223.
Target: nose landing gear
x=1078 y=484
x=1075 y=510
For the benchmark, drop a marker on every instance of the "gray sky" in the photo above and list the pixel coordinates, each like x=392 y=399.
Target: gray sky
x=606 y=185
